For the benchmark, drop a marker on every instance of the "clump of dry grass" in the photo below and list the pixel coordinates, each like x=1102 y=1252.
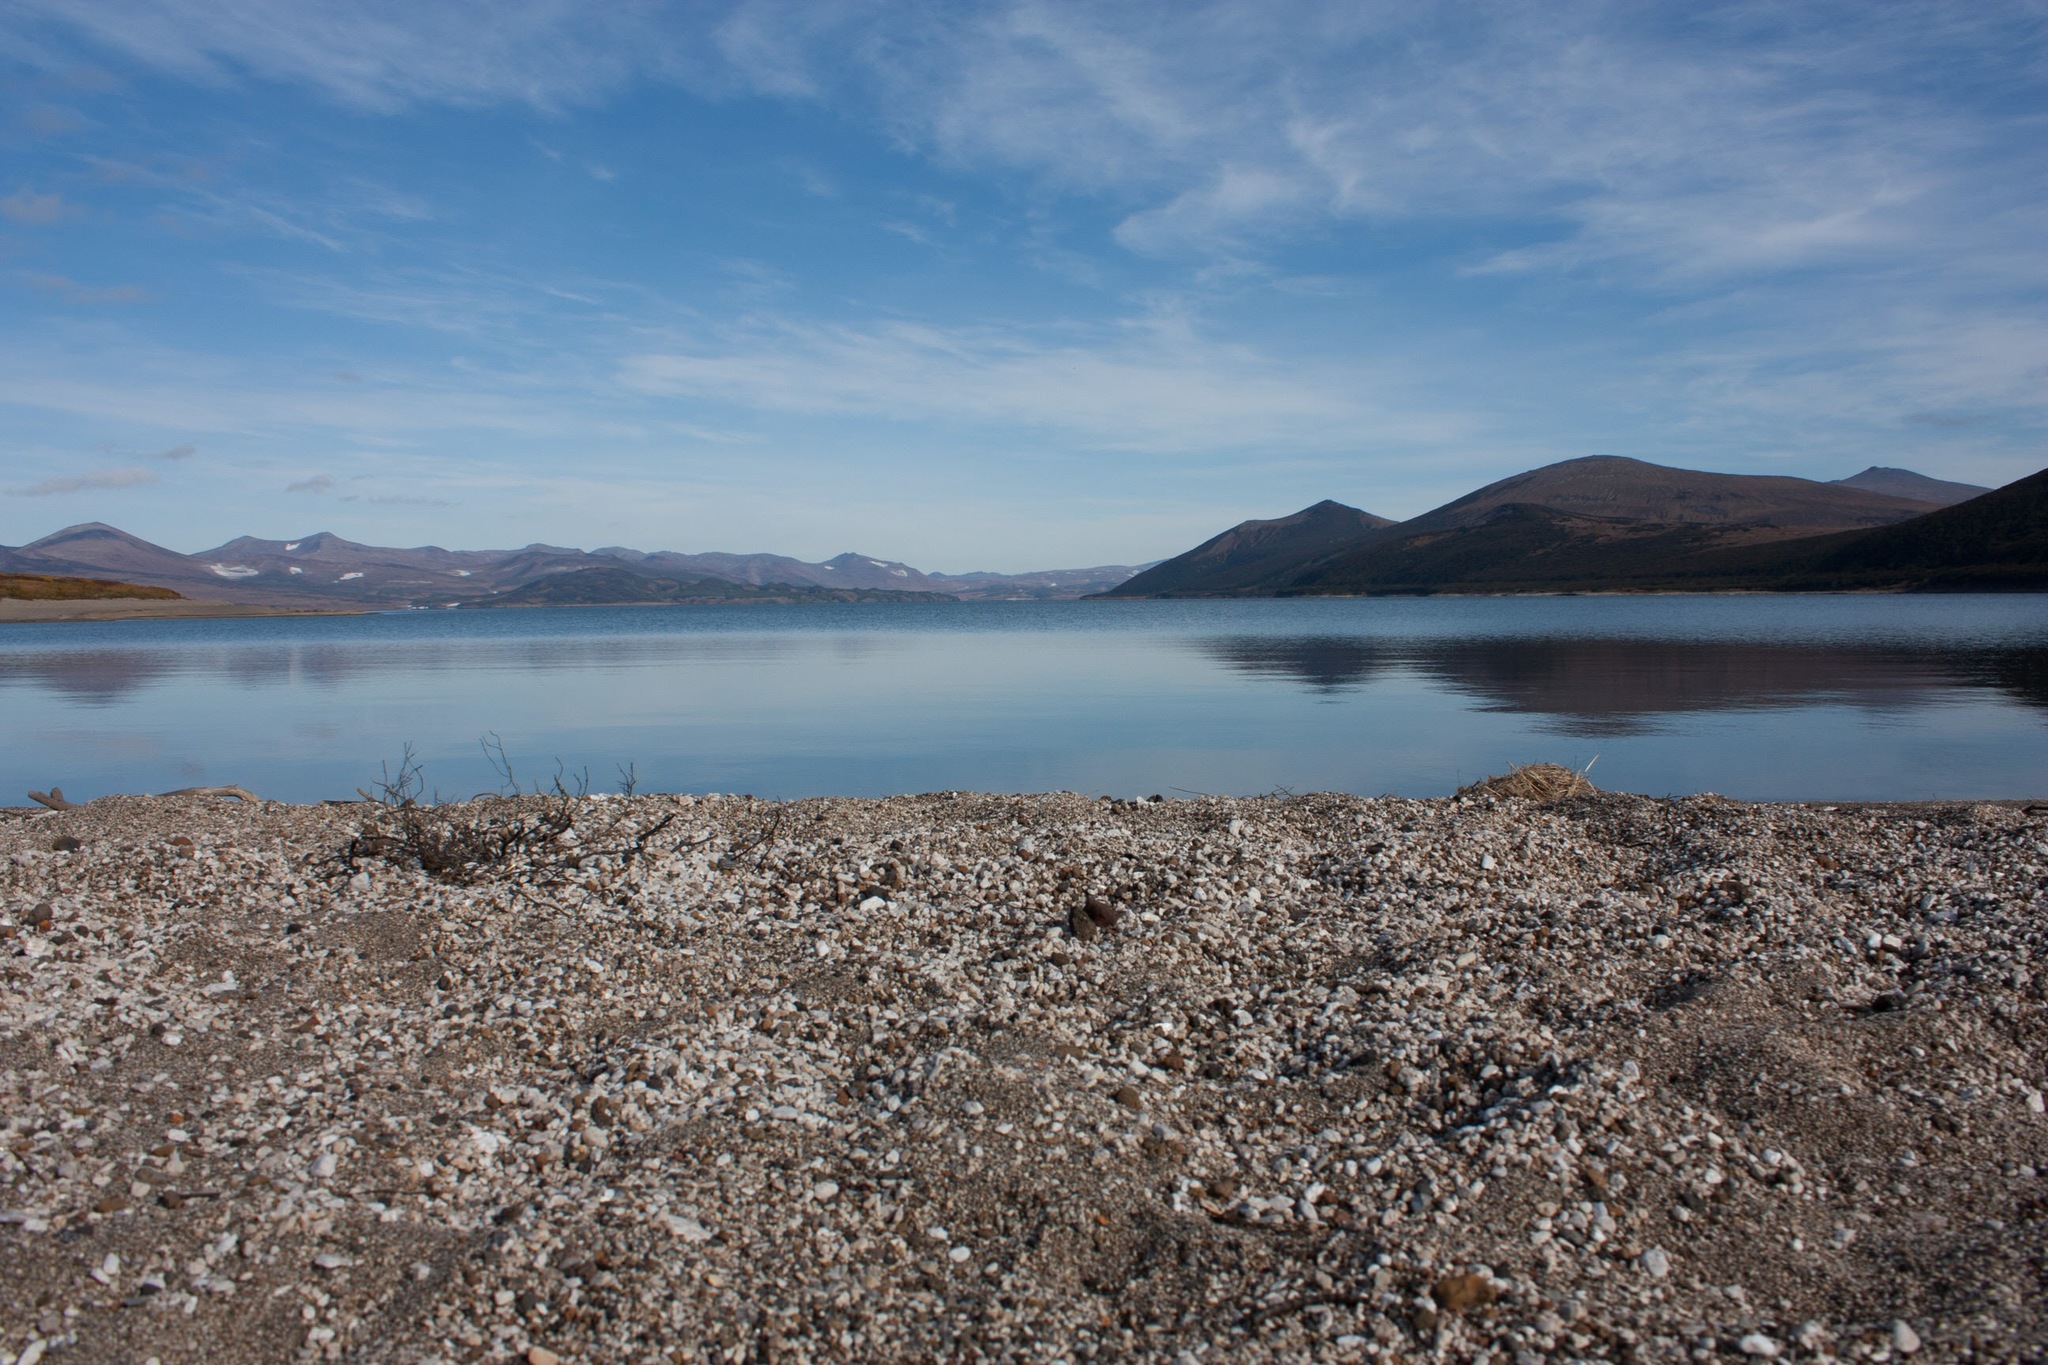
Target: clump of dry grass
x=1534 y=782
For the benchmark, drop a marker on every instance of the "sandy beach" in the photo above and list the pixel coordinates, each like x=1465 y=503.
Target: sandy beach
x=967 y=1077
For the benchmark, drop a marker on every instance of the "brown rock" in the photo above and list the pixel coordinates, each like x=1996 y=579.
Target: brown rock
x=1102 y=913
x=1462 y=1293
x=1081 y=924
x=541 y=1355
x=1129 y=1098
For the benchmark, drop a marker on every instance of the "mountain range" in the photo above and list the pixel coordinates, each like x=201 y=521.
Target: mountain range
x=1601 y=523
x=325 y=570
x=1607 y=523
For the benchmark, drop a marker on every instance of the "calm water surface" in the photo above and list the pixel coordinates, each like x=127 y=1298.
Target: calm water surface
x=1834 y=698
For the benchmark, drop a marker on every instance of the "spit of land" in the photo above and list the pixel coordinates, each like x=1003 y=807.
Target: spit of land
x=965 y=1077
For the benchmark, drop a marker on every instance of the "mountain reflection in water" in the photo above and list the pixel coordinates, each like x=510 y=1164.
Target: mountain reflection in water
x=105 y=676
x=1610 y=686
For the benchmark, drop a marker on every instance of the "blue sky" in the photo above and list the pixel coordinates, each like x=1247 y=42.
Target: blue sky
x=998 y=286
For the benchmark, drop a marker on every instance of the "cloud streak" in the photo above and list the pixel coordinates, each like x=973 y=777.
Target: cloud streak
x=99 y=481
x=1156 y=384
x=36 y=210
x=71 y=291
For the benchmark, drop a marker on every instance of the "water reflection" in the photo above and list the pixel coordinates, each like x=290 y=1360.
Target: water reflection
x=102 y=677
x=1619 y=686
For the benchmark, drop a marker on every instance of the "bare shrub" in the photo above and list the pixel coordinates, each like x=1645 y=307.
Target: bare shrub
x=543 y=837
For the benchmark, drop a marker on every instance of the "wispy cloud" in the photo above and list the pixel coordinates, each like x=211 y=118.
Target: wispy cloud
x=40 y=210
x=396 y=500
x=378 y=55
x=95 y=482
x=73 y=292
x=184 y=450
x=316 y=485
x=1155 y=383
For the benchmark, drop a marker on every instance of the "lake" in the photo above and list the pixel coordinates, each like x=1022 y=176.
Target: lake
x=1823 y=698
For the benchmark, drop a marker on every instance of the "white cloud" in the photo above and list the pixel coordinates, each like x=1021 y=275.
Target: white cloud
x=95 y=482
x=316 y=485
x=1154 y=384
x=1721 y=139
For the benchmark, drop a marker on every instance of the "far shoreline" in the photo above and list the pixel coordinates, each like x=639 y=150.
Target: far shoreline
x=14 y=610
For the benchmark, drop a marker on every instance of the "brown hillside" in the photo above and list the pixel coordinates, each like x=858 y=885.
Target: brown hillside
x=1616 y=487
x=34 y=587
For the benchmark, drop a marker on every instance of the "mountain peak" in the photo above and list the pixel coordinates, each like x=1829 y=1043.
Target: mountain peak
x=1906 y=483
x=1250 y=549
x=85 y=530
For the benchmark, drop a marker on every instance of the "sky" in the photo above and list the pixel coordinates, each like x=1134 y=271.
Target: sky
x=993 y=286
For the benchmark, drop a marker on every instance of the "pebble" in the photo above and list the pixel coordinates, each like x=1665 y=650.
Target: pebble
x=1279 y=1076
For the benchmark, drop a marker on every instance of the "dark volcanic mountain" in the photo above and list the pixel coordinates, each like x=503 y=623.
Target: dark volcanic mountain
x=1551 y=529
x=1252 y=553
x=1613 y=487
x=1904 y=483
x=1996 y=542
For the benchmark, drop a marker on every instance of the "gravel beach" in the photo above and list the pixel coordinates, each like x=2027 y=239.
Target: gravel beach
x=966 y=1077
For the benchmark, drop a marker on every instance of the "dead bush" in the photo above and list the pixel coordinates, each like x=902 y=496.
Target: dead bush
x=543 y=837
x=1534 y=782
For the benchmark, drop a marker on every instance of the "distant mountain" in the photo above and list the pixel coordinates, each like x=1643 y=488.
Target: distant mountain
x=1251 y=554
x=842 y=571
x=1553 y=528
x=1904 y=483
x=623 y=587
x=1045 y=585
x=325 y=569
x=97 y=550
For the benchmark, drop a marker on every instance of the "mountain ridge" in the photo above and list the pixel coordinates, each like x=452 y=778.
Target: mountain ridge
x=1561 y=527
x=1250 y=550
x=327 y=569
x=1995 y=542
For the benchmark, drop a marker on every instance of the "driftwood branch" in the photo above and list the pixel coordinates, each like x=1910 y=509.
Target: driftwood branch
x=54 y=797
